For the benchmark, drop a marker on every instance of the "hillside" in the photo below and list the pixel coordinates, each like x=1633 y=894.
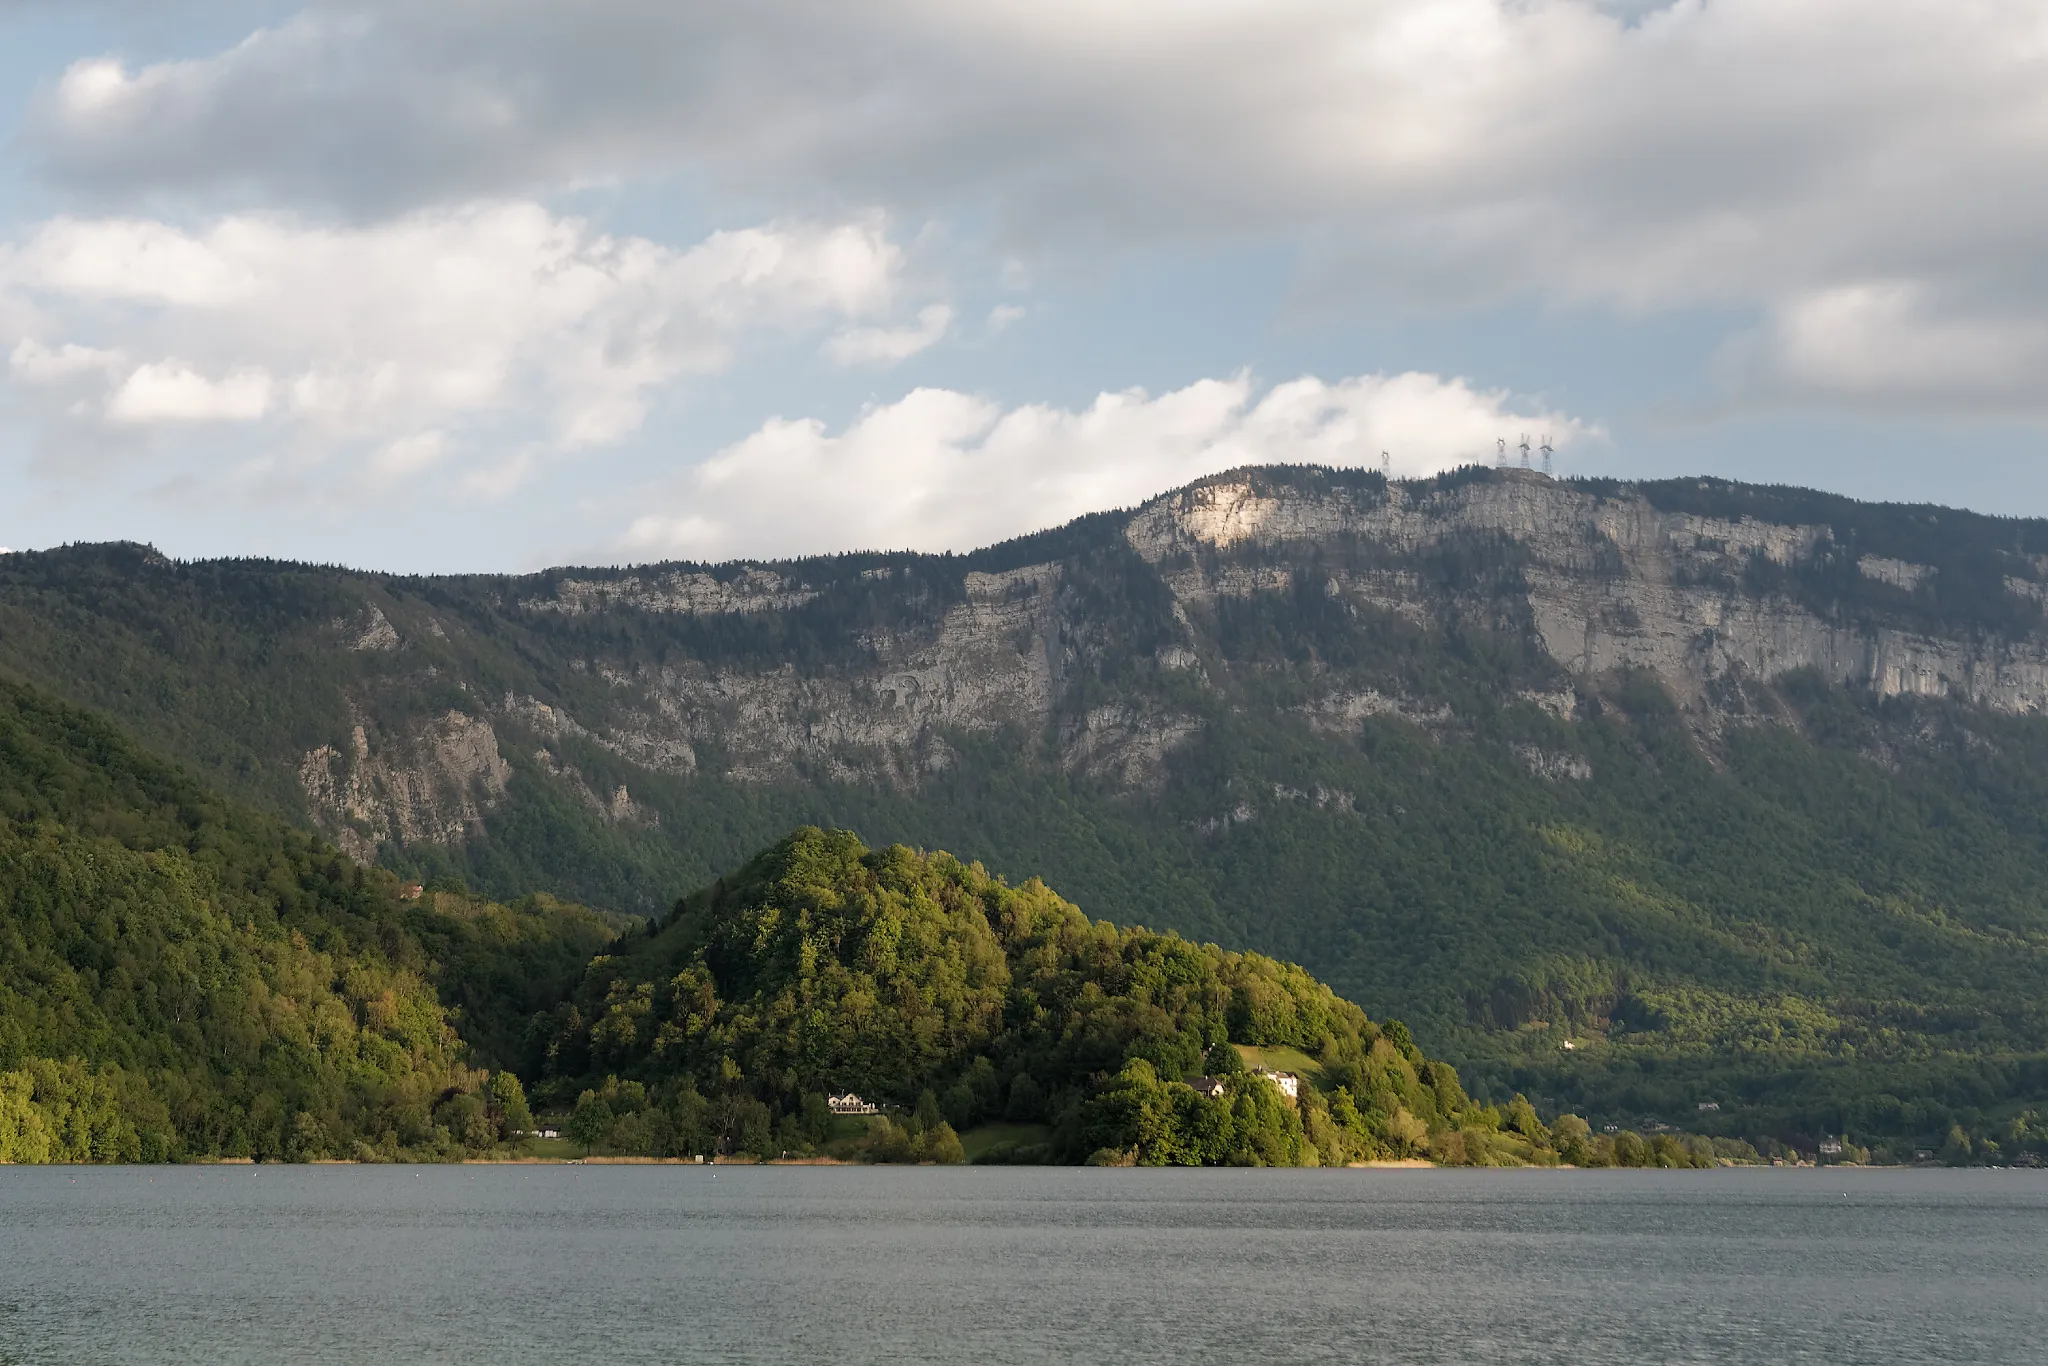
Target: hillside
x=181 y=977
x=1738 y=791
x=955 y=1000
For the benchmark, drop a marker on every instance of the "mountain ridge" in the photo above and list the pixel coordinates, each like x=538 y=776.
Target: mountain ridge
x=1469 y=748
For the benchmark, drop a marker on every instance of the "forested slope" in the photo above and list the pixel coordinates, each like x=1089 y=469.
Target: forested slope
x=181 y=977
x=956 y=1000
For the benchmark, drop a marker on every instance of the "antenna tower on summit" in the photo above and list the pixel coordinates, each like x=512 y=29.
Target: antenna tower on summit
x=1546 y=454
x=1386 y=465
x=1500 y=459
x=1525 y=450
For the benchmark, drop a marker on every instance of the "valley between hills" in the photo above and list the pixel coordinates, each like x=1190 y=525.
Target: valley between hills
x=1708 y=812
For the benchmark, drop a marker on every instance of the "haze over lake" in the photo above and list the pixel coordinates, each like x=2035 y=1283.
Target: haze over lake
x=658 y=1264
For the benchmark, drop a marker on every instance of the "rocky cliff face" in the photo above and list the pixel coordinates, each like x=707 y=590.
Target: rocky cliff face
x=1594 y=579
x=1614 y=582
x=409 y=711
x=431 y=783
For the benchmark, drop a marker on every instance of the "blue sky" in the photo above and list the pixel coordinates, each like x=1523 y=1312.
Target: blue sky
x=490 y=286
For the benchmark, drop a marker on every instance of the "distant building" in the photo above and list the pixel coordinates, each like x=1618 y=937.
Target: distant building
x=1706 y=1105
x=850 y=1104
x=546 y=1133
x=411 y=891
x=1610 y=1128
x=1570 y=1047
x=1208 y=1086
x=1831 y=1147
x=1288 y=1082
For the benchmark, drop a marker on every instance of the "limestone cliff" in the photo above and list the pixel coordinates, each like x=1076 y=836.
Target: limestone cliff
x=1612 y=581
x=432 y=783
x=1599 y=578
x=1323 y=599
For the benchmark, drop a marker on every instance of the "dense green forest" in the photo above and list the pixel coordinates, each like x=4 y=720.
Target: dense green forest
x=1820 y=915
x=181 y=977
x=959 y=1001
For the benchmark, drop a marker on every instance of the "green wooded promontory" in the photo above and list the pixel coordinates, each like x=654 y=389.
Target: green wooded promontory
x=923 y=983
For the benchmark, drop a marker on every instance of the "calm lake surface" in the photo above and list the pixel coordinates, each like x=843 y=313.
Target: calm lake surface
x=789 y=1264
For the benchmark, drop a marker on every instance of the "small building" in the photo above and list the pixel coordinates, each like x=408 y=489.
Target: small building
x=851 y=1104
x=546 y=1133
x=1831 y=1147
x=1570 y=1047
x=1707 y=1105
x=1288 y=1082
x=1211 y=1087
x=411 y=891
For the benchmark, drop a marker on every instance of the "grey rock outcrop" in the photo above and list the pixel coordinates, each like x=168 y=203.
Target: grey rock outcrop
x=1596 y=578
x=431 y=784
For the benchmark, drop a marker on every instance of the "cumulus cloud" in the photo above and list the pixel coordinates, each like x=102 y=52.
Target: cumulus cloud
x=1747 y=154
x=1895 y=344
x=168 y=392
x=39 y=364
x=942 y=470
x=888 y=345
x=344 y=233
x=388 y=338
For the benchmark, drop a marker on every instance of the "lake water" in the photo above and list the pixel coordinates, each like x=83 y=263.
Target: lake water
x=574 y=1265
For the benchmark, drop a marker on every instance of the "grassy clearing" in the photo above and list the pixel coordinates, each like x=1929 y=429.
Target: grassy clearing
x=552 y=1149
x=1280 y=1059
x=852 y=1126
x=843 y=1141
x=975 y=1142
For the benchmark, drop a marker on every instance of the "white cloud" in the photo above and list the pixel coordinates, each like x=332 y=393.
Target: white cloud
x=396 y=338
x=140 y=261
x=1895 y=344
x=1750 y=155
x=888 y=345
x=407 y=456
x=941 y=470
x=39 y=364
x=170 y=392
x=1852 y=181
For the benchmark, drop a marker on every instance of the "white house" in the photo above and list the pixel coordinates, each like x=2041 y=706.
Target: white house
x=850 y=1104
x=1288 y=1082
x=1211 y=1087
